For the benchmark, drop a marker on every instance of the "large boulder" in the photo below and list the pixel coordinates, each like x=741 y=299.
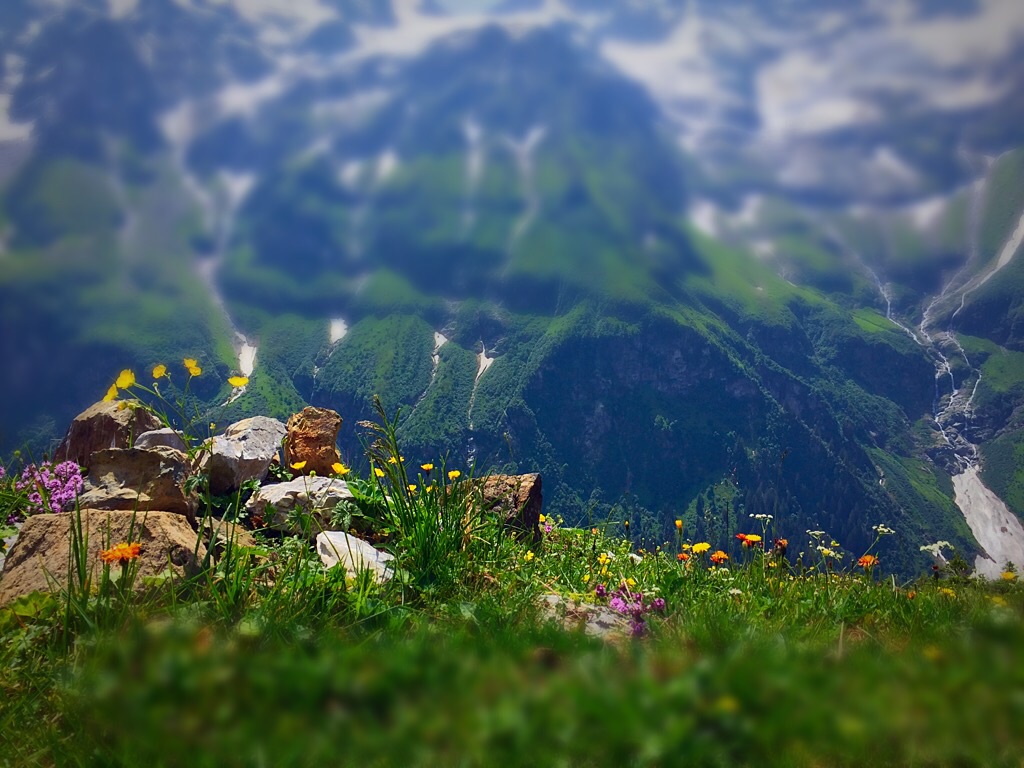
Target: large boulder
x=312 y=438
x=140 y=479
x=518 y=498
x=353 y=554
x=39 y=558
x=273 y=506
x=244 y=452
x=112 y=424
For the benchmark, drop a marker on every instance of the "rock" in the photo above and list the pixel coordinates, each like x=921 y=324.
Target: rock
x=595 y=620
x=518 y=497
x=104 y=425
x=40 y=556
x=141 y=479
x=272 y=505
x=243 y=452
x=312 y=438
x=161 y=438
x=338 y=548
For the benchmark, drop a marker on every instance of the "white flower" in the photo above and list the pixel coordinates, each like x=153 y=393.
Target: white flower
x=882 y=530
x=816 y=534
x=936 y=548
x=735 y=591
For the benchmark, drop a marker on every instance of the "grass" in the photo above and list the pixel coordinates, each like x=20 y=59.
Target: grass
x=786 y=651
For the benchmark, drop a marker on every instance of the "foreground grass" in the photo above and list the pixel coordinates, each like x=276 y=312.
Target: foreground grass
x=745 y=667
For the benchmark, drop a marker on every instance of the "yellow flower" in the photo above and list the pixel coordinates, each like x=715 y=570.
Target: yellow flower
x=755 y=538
x=195 y=370
x=159 y=371
x=238 y=381
x=541 y=518
x=339 y=468
x=299 y=465
x=454 y=474
x=604 y=571
x=1009 y=576
x=429 y=488
x=603 y=558
x=528 y=556
x=630 y=583
x=111 y=394
x=586 y=578
x=190 y=362
x=412 y=487
x=998 y=600
x=428 y=467
x=125 y=379
x=378 y=472
x=701 y=548
x=679 y=525
x=947 y=592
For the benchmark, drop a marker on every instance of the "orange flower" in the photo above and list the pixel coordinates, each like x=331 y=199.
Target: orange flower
x=679 y=525
x=718 y=557
x=682 y=557
x=121 y=553
x=867 y=561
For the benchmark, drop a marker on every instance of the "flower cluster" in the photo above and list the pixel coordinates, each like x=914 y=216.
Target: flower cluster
x=50 y=487
x=631 y=604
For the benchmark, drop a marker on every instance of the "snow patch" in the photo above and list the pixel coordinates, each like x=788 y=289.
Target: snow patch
x=704 y=215
x=998 y=531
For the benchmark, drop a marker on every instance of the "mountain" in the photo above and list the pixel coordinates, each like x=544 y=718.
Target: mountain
x=606 y=244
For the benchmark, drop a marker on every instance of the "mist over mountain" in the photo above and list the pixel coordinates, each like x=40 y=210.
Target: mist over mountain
x=687 y=259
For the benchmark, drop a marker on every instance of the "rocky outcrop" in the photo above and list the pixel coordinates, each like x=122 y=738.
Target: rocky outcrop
x=595 y=620
x=139 y=479
x=354 y=555
x=244 y=452
x=274 y=506
x=518 y=498
x=312 y=441
x=39 y=558
x=101 y=426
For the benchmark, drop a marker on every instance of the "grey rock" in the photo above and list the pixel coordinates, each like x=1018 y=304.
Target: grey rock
x=594 y=620
x=353 y=554
x=272 y=505
x=161 y=438
x=139 y=479
x=244 y=452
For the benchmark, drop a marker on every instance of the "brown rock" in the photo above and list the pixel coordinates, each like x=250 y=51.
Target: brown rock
x=312 y=438
x=518 y=497
x=140 y=479
x=39 y=558
x=104 y=425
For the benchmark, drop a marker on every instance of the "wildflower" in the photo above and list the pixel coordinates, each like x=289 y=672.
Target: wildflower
x=299 y=465
x=701 y=548
x=679 y=525
x=658 y=604
x=617 y=604
x=195 y=370
x=159 y=371
x=630 y=583
x=867 y=562
x=998 y=600
x=121 y=553
x=947 y=592
x=601 y=590
x=593 y=531
x=1008 y=576
x=541 y=518
x=378 y=472
x=190 y=362
x=604 y=558
x=547 y=528
x=718 y=557
x=340 y=469
x=911 y=595
x=825 y=551
x=735 y=592
x=882 y=530
x=779 y=547
x=454 y=474
x=428 y=467
x=429 y=488
x=412 y=487
x=111 y=394
x=586 y=578
x=125 y=379
x=238 y=381
x=682 y=557
x=528 y=556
